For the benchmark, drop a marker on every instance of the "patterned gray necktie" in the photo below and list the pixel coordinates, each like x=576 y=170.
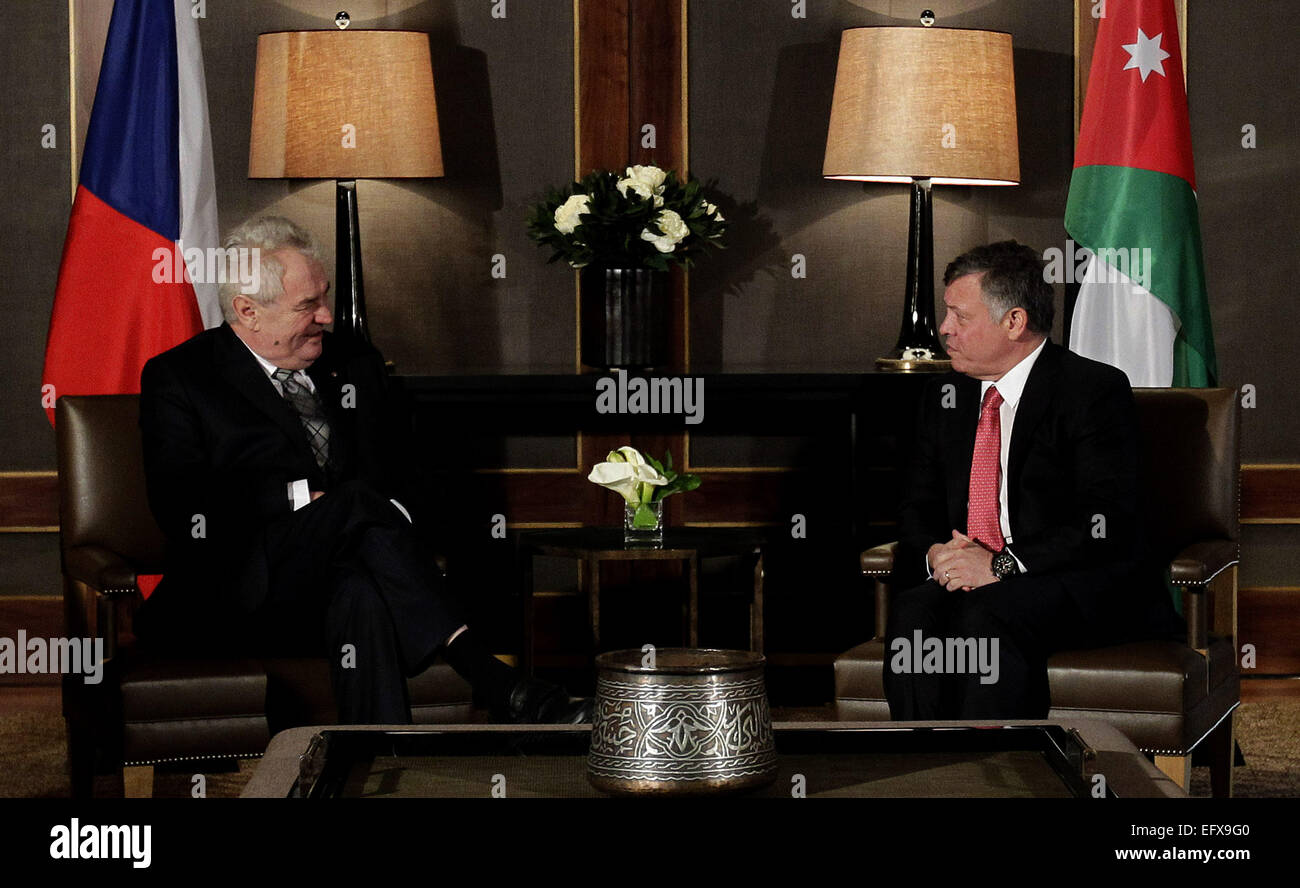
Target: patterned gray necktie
x=308 y=407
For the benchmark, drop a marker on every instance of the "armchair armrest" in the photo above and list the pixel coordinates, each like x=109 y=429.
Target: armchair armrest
x=111 y=580
x=1194 y=569
x=879 y=560
x=101 y=569
x=1201 y=562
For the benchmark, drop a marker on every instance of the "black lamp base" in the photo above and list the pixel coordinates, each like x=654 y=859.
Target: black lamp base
x=918 y=349
x=349 y=293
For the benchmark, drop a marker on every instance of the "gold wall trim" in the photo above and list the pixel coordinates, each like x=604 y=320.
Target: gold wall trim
x=517 y=471
x=37 y=529
x=73 y=169
x=38 y=473
x=686 y=166
x=742 y=470
x=577 y=91
x=732 y=524
x=577 y=166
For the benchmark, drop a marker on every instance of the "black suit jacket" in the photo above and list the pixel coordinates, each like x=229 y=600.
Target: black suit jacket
x=1073 y=482
x=221 y=447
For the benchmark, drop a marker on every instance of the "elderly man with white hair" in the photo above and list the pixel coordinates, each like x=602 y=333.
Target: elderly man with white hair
x=273 y=470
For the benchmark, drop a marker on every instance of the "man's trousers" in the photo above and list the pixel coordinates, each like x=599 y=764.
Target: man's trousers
x=1030 y=618
x=346 y=577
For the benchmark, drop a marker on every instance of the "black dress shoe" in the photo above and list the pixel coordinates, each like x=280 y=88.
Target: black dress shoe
x=533 y=701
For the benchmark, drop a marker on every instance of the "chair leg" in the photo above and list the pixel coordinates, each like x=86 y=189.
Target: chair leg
x=1222 y=745
x=81 y=758
x=1177 y=768
x=137 y=782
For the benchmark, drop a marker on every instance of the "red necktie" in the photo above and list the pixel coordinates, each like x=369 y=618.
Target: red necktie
x=982 y=512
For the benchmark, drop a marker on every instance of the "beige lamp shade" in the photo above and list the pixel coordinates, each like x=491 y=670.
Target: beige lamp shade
x=916 y=103
x=344 y=105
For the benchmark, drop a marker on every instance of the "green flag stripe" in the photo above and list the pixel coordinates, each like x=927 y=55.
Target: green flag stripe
x=1123 y=208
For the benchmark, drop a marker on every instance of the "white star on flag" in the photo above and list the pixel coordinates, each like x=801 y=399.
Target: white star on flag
x=1146 y=55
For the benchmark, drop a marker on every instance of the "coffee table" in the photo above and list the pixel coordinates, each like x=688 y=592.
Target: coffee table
x=1025 y=759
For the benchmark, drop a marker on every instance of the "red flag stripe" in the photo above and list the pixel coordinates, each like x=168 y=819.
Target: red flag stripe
x=110 y=316
x=1127 y=121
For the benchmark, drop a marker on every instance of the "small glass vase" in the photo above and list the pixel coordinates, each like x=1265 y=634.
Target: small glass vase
x=645 y=535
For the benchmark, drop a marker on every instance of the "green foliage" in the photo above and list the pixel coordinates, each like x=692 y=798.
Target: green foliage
x=677 y=483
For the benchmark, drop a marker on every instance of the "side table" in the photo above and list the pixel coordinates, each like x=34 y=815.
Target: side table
x=592 y=545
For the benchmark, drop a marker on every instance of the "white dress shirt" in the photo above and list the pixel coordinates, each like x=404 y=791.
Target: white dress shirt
x=1011 y=386
x=299 y=492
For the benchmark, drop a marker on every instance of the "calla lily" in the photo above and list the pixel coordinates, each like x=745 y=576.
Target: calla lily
x=641 y=481
x=626 y=480
x=630 y=455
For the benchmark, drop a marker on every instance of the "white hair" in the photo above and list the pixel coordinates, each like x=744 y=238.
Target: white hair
x=268 y=235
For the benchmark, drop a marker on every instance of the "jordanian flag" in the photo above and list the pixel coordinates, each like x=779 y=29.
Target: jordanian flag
x=1142 y=305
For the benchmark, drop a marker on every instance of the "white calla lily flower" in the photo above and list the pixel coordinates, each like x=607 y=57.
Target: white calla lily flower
x=618 y=477
x=631 y=455
x=628 y=474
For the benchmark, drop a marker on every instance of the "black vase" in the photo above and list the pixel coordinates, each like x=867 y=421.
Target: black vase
x=624 y=318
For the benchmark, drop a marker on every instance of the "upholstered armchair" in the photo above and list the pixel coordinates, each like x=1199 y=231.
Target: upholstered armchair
x=153 y=708
x=1169 y=698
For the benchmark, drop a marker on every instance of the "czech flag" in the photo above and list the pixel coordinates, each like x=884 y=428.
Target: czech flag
x=145 y=214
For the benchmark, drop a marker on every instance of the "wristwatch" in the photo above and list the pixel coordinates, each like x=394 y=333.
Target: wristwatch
x=1004 y=565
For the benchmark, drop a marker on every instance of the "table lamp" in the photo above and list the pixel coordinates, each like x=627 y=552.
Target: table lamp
x=924 y=106
x=345 y=105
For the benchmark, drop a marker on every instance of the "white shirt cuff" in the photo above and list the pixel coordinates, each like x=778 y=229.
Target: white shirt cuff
x=401 y=508
x=1020 y=564
x=299 y=493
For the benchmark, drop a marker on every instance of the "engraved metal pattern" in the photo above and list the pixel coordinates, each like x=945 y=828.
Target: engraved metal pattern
x=681 y=733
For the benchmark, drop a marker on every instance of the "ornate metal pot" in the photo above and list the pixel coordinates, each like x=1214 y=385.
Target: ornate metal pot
x=680 y=721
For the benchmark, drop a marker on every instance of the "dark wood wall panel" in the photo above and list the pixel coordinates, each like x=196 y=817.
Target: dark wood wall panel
x=29 y=500
x=655 y=91
x=629 y=74
x=603 y=80
x=1269 y=618
x=655 y=96
x=1270 y=494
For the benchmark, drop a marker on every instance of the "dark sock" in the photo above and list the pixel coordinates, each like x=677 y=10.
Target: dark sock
x=473 y=662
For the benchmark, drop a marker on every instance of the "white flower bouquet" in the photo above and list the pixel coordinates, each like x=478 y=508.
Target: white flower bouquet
x=641 y=481
x=645 y=218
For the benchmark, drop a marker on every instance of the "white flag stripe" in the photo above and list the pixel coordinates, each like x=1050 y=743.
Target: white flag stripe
x=198 y=175
x=1119 y=322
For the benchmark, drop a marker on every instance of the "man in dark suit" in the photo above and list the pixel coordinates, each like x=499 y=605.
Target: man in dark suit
x=1020 y=533
x=275 y=470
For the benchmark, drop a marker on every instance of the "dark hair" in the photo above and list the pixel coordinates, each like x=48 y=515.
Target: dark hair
x=1013 y=278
